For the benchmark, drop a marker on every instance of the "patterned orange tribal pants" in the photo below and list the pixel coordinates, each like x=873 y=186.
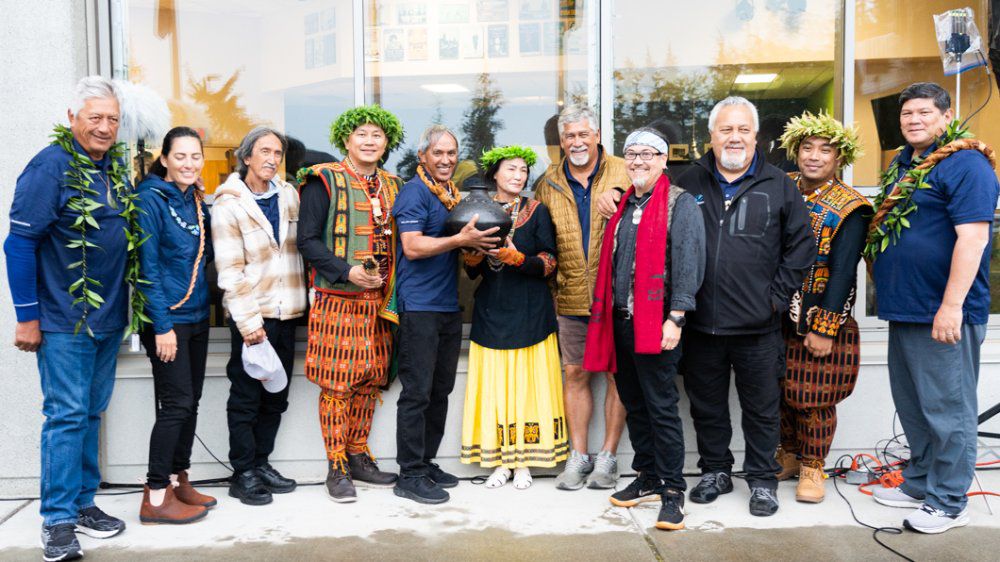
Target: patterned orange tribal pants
x=811 y=390
x=348 y=356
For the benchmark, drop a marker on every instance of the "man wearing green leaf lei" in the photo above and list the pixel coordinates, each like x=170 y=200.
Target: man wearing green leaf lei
x=71 y=255
x=930 y=242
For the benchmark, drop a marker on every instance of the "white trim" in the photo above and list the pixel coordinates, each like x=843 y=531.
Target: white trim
x=358 y=16
x=607 y=62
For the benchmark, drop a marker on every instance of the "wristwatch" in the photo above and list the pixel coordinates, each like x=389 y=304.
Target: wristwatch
x=678 y=321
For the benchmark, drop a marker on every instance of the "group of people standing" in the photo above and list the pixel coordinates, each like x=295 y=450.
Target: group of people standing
x=612 y=269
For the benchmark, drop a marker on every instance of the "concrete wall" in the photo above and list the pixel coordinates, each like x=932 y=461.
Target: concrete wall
x=42 y=54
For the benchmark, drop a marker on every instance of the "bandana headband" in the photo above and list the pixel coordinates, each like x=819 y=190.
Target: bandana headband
x=648 y=139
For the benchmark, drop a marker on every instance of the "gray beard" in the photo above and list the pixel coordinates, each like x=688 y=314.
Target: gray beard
x=640 y=183
x=579 y=160
x=731 y=163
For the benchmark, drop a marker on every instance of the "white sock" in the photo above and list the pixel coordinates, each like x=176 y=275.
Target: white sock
x=173 y=480
x=156 y=497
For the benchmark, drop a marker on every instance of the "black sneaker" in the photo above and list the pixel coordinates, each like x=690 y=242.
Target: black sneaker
x=365 y=470
x=59 y=542
x=420 y=489
x=440 y=477
x=763 y=501
x=274 y=481
x=645 y=488
x=712 y=485
x=339 y=487
x=671 y=516
x=94 y=523
x=247 y=487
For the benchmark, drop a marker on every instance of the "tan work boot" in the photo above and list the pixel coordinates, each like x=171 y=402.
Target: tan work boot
x=811 y=488
x=171 y=511
x=789 y=464
x=185 y=492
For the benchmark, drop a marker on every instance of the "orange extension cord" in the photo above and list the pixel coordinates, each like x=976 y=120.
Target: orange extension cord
x=893 y=478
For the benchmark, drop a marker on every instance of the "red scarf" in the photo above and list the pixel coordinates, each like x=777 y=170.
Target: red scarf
x=648 y=294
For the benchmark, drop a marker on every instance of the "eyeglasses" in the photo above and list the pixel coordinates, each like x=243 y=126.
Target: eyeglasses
x=645 y=155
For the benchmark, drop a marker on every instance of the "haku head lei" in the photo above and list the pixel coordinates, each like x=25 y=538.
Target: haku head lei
x=358 y=116
x=501 y=153
x=845 y=139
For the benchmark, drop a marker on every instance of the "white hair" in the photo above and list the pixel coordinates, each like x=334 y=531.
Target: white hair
x=731 y=101
x=432 y=135
x=92 y=87
x=575 y=114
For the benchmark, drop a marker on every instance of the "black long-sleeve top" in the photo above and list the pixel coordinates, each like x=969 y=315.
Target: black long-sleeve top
x=845 y=253
x=314 y=208
x=513 y=307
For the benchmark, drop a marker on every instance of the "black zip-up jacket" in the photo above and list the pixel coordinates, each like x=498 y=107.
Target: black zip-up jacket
x=758 y=250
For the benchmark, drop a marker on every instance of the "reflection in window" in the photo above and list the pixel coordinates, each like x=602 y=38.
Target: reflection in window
x=225 y=66
x=671 y=66
x=494 y=71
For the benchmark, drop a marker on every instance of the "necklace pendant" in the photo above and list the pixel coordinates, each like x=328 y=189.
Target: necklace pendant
x=376 y=207
x=637 y=216
x=387 y=232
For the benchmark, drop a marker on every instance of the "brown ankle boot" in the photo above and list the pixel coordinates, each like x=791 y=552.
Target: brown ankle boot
x=171 y=511
x=187 y=494
x=811 y=488
x=789 y=464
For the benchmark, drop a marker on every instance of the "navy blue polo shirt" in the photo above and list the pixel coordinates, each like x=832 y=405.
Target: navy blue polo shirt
x=581 y=194
x=729 y=188
x=911 y=275
x=429 y=284
x=39 y=212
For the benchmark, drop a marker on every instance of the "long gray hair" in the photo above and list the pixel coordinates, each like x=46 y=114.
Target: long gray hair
x=245 y=149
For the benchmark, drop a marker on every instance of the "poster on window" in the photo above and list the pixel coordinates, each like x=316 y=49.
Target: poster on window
x=394 y=49
x=412 y=13
x=492 y=10
x=529 y=38
x=498 y=41
x=453 y=12
x=416 y=44
x=448 y=41
x=472 y=42
x=537 y=10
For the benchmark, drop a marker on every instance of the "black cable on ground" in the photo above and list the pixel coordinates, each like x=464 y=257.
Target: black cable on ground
x=875 y=530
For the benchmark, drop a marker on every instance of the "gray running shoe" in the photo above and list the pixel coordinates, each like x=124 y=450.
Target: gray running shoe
x=575 y=474
x=605 y=473
x=934 y=521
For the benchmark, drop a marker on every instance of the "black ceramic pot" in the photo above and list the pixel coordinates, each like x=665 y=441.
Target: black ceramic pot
x=478 y=202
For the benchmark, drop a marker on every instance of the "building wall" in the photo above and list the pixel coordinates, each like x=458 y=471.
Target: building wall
x=44 y=53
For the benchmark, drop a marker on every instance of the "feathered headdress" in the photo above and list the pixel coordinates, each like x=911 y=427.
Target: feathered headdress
x=145 y=116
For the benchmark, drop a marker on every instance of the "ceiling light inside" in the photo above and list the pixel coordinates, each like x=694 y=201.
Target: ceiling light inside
x=756 y=78
x=445 y=88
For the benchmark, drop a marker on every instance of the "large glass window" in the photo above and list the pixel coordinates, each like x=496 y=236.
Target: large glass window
x=225 y=66
x=672 y=64
x=494 y=71
x=895 y=46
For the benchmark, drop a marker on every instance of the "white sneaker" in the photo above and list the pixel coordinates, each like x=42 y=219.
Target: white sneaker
x=894 y=497
x=933 y=521
x=605 y=474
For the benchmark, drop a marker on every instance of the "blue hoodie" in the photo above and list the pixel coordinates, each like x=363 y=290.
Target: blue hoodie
x=169 y=219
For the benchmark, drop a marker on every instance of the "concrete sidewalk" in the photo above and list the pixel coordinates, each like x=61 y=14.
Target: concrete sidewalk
x=541 y=523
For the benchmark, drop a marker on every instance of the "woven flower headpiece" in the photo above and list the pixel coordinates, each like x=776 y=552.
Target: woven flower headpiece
x=502 y=153
x=358 y=116
x=845 y=139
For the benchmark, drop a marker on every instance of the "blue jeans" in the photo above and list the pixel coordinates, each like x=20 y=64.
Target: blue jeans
x=78 y=374
x=934 y=389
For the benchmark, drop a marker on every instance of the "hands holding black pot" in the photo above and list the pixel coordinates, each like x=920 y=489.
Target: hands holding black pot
x=475 y=239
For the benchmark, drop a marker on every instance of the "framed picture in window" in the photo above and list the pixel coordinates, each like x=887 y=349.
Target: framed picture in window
x=394 y=48
x=498 y=41
x=529 y=38
x=492 y=10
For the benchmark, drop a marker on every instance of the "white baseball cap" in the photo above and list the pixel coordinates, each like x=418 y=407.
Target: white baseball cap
x=261 y=362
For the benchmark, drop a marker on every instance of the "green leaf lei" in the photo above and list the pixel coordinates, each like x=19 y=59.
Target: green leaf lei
x=895 y=220
x=80 y=177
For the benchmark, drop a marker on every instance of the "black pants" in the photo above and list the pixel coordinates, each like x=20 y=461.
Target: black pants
x=648 y=389
x=177 y=388
x=253 y=413
x=758 y=361
x=429 y=345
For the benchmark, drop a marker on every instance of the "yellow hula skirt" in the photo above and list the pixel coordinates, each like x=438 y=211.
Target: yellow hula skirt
x=514 y=407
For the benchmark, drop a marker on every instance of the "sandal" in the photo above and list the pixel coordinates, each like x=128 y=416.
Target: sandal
x=522 y=478
x=499 y=477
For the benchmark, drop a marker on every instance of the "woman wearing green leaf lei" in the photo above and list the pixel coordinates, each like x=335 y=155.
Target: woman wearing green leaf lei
x=514 y=417
x=71 y=256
